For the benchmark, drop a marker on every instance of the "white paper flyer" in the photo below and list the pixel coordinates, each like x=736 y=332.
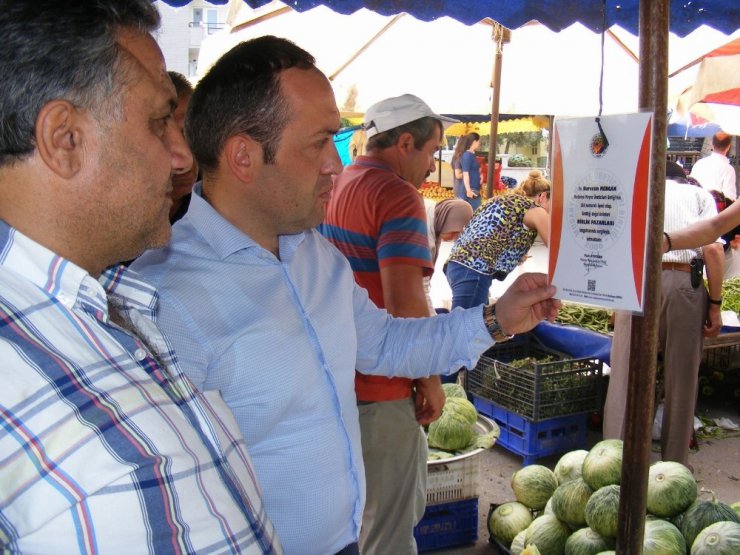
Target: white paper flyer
x=599 y=209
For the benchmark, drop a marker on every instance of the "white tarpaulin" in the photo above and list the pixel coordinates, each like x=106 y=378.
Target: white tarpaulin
x=369 y=57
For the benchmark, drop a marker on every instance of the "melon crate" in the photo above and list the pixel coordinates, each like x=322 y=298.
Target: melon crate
x=457 y=478
x=527 y=378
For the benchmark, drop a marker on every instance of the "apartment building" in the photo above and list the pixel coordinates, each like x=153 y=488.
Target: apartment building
x=183 y=31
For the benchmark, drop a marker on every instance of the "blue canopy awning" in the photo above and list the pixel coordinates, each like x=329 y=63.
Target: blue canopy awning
x=723 y=15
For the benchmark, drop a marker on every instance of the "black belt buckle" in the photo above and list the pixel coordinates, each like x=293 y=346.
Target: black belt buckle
x=697 y=272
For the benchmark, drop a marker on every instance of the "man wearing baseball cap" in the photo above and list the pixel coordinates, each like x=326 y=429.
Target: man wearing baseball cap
x=377 y=219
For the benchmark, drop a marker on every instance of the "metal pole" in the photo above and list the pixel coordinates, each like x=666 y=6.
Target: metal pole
x=653 y=95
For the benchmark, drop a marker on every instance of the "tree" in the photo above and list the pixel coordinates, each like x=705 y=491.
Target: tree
x=522 y=138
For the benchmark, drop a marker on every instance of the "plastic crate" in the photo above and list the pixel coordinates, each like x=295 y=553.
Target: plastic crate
x=452 y=481
x=719 y=374
x=556 y=387
x=448 y=525
x=498 y=547
x=725 y=357
x=533 y=440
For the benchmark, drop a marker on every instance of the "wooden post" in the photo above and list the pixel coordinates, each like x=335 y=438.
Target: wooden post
x=653 y=96
x=501 y=35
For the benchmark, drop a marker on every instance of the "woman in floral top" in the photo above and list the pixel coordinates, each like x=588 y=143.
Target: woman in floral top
x=497 y=239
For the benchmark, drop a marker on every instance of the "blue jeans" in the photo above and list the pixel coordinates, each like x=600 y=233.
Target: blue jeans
x=469 y=289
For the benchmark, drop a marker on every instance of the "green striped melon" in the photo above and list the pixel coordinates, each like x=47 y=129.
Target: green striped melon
x=517 y=544
x=533 y=485
x=671 y=489
x=569 y=502
x=507 y=520
x=603 y=464
x=602 y=511
x=720 y=538
x=549 y=535
x=662 y=538
x=569 y=466
x=587 y=542
x=703 y=513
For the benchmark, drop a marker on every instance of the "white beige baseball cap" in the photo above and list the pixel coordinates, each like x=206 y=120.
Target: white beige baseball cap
x=398 y=110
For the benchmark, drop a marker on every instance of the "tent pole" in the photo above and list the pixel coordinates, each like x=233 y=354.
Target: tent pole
x=256 y=20
x=501 y=35
x=653 y=96
x=550 y=127
x=439 y=174
x=365 y=46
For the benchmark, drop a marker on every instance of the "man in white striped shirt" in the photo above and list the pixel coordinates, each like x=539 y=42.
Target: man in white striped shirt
x=106 y=446
x=688 y=313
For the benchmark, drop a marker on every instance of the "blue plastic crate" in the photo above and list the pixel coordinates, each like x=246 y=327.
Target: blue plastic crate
x=533 y=440
x=448 y=525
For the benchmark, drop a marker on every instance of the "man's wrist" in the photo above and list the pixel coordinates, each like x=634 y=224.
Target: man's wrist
x=492 y=324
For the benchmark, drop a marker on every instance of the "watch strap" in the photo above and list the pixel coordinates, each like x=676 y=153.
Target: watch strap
x=492 y=324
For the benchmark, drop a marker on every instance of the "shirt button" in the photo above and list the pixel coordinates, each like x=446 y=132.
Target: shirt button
x=140 y=354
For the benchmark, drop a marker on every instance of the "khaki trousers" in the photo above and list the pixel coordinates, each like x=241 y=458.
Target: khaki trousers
x=680 y=338
x=394 y=450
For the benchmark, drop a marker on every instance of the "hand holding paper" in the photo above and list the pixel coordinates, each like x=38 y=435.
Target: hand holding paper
x=527 y=302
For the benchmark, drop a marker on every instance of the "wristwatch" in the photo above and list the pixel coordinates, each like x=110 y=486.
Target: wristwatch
x=492 y=325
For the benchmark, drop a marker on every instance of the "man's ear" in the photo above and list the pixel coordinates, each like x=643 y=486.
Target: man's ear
x=406 y=142
x=243 y=156
x=59 y=135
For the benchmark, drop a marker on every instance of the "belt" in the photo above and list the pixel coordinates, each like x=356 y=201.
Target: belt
x=676 y=266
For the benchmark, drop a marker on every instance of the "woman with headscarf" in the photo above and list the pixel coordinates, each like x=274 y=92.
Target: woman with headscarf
x=445 y=221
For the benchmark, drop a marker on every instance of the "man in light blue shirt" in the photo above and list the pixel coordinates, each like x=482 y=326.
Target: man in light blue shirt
x=261 y=307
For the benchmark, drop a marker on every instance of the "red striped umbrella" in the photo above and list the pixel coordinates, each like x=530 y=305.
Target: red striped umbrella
x=715 y=94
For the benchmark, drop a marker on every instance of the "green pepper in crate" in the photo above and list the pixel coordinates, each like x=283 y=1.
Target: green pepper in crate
x=731 y=295
x=595 y=319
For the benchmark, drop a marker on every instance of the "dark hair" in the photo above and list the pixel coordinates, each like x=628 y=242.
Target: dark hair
x=241 y=94
x=674 y=171
x=421 y=130
x=61 y=49
x=721 y=140
x=183 y=87
x=462 y=145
